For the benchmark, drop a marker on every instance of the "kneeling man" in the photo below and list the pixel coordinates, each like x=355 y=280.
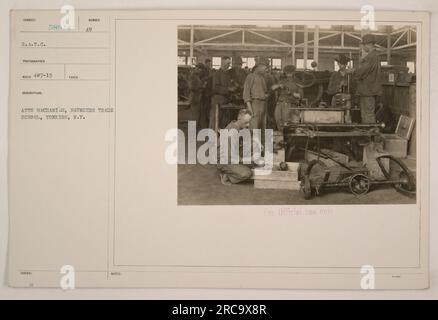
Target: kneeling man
x=235 y=173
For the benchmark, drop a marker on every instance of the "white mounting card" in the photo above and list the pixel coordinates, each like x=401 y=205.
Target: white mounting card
x=93 y=94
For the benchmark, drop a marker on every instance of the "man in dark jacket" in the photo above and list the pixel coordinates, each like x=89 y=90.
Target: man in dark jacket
x=367 y=75
x=338 y=79
x=196 y=87
x=221 y=88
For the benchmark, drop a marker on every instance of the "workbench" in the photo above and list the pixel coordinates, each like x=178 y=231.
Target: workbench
x=314 y=132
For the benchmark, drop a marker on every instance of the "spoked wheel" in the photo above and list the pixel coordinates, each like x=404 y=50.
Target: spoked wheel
x=398 y=172
x=314 y=176
x=359 y=184
x=305 y=78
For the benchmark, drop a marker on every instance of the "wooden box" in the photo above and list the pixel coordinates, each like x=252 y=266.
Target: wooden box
x=280 y=180
x=323 y=116
x=396 y=144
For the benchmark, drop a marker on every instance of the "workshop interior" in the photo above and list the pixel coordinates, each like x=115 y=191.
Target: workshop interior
x=340 y=99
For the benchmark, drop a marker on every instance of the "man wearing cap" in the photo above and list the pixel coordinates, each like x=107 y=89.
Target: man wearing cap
x=367 y=76
x=288 y=95
x=271 y=102
x=196 y=87
x=221 y=88
x=237 y=74
x=339 y=79
x=255 y=94
x=208 y=67
x=207 y=77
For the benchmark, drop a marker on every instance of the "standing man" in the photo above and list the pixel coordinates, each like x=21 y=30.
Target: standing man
x=369 y=86
x=207 y=77
x=221 y=88
x=235 y=173
x=237 y=74
x=255 y=93
x=196 y=87
x=208 y=66
x=270 y=80
x=289 y=95
x=339 y=79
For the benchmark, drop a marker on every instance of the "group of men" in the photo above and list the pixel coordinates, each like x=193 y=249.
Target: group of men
x=210 y=88
x=255 y=89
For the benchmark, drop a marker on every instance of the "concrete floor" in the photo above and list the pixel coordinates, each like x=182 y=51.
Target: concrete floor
x=200 y=185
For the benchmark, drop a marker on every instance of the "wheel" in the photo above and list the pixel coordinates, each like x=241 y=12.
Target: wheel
x=359 y=184
x=399 y=172
x=304 y=79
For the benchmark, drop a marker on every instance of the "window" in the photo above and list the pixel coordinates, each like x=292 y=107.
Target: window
x=182 y=60
x=383 y=63
x=216 y=62
x=186 y=60
x=248 y=62
x=411 y=66
x=349 y=65
x=192 y=61
x=300 y=64
x=276 y=63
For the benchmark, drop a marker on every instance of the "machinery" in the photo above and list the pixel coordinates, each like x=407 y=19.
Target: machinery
x=332 y=125
x=318 y=177
x=319 y=123
x=343 y=100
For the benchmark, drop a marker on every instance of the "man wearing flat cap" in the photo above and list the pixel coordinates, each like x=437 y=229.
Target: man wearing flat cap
x=367 y=75
x=255 y=93
x=221 y=89
x=288 y=95
x=196 y=86
x=237 y=74
x=338 y=79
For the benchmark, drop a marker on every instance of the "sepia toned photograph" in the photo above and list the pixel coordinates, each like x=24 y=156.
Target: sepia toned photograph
x=339 y=102
x=219 y=149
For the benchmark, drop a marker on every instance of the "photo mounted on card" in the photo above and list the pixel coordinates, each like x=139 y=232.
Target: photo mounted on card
x=219 y=149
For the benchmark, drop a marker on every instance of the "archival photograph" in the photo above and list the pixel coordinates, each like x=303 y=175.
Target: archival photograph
x=219 y=149
x=334 y=106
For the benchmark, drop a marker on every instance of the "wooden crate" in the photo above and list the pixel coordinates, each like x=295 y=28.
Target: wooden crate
x=323 y=116
x=283 y=180
x=277 y=185
x=396 y=144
